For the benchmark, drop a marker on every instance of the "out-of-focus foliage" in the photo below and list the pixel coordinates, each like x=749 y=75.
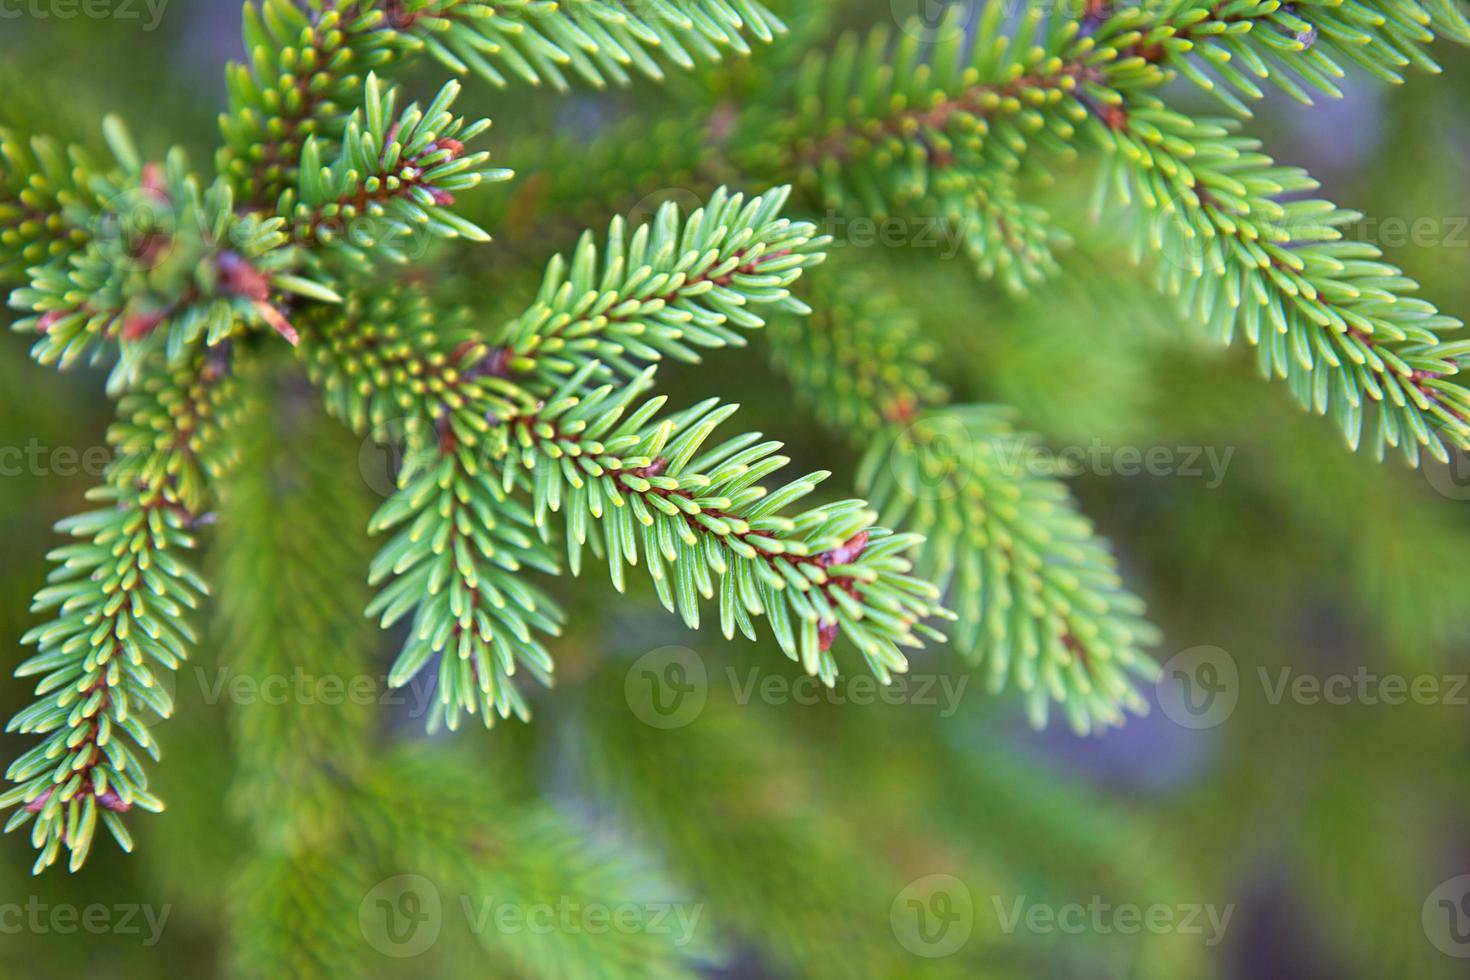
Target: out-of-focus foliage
x=795 y=829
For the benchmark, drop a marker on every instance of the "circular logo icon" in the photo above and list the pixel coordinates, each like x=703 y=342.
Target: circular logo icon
x=934 y=20
x=934 y=458
x=402 y=916
x=667 y=688
x=1446 y=917
x=1199 y=687
x=1450 y=479
x=933 y=916
x=389 y=445
x=136 y=229
x=408 y=240
x=1181 y=236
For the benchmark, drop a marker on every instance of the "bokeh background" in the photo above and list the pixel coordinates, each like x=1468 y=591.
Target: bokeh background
x=807 y=837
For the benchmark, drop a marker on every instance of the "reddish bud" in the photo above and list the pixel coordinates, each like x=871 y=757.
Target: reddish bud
x=1113 y=116
x=1077 y=649
x=655 y=468
x=847 y=552
x=278 y=322
x=239 y=278
x=398 y=15
x=447 y=440
x=901 y=410
x=151 y=181
x=136 y=326
x=113 y=802
x=495 y=364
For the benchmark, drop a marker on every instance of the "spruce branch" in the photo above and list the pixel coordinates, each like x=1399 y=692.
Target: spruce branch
x=166 y=277
x=1035 y=591
x=599 y=41
x=704 y=525
x=167 y=266
x=885 y=128
x=306 y=65
x=119 y=595
x=306 y=61
x=394 y=178
x=874 y=118
x=457 y=562
x=663 y=290
x=1327 y=315
x=46 y=208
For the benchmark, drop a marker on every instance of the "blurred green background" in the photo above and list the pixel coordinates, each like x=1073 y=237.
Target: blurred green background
x=800 y=833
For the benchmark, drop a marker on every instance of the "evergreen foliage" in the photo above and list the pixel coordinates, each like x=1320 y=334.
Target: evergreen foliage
x=119 y=596
x=332 y=188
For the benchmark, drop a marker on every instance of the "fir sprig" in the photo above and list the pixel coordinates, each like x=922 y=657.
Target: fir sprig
x=663 y=290
x=1037 y=592
x=118 y=598
x=596 y=40
x=168 y=277
x=1327 y=315
x=166 y=265
x=632 y=486
x=307 y=61
x=393 y=180
x=458 y=562
x=46 y=209
x=1037 y=597
x=884 y=127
